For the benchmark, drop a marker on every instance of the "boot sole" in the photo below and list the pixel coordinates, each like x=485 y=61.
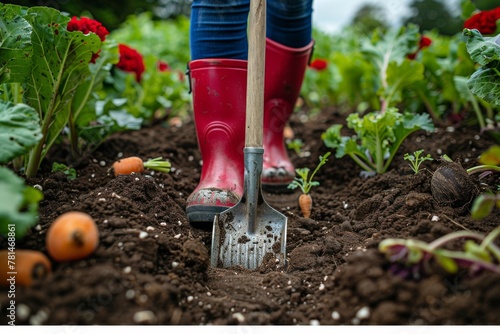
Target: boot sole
x=202 y=216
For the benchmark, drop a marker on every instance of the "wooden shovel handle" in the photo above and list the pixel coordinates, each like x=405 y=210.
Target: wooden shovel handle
x=255 y=79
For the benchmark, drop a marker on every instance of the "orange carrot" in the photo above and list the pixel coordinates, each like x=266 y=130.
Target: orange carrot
x=128 y=166
x=131 y=165
x=72 y=236
x=305 y=204
x=29 y=266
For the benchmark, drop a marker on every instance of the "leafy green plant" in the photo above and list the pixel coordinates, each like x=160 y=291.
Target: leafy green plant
x=415 y=159
x=296 y=145
x=393 y=70
x=66 y=170
x=377 y=137
x=414 y=257
x=305 y=183
x=484 y=204
x=19 y=131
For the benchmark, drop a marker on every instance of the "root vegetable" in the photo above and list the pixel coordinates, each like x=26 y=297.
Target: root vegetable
x=127 y=166
x=452 y=186
x=305 y=204
x=72 y=236
x=29 y=265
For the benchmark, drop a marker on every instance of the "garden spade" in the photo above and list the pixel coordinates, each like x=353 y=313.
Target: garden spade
x=251 y=231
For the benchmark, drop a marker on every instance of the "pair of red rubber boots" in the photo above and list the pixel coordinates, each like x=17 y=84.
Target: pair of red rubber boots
x=219 y=104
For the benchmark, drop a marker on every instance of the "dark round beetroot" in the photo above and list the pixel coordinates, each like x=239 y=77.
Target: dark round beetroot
x=451 y=185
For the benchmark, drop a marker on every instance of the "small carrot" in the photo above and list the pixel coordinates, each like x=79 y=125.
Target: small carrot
x=305 y=183
x=127 y=166
x=72 y=236
x=305 y=204
x=23 y=266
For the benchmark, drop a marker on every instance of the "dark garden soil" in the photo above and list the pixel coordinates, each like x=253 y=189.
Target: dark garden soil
x=335 y=273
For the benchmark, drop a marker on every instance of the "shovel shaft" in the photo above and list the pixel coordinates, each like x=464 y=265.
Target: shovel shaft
x=256 y=69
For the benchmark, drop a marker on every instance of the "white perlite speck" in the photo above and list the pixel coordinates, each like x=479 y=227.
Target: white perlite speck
x=238 y=316
x=143 y=235
x=363 y=313
x=144 y=316
x=335 y=315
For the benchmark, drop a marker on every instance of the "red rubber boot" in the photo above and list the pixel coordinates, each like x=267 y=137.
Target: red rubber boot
x=285 y=68
x=219 y=100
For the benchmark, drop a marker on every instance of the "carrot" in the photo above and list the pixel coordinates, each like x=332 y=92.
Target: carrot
x=72 y=236
x=26 y=266
x=127 y=166
x=305 y=204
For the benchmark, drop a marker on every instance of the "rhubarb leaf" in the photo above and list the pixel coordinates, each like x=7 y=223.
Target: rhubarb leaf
x=15 y=44
x=19 y=130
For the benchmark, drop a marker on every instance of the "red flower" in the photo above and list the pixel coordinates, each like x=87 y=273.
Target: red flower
x=162 y=66
x=131 y=61
x=319 y=64
x=86 y=25
x=485 y=21
x=422 y=44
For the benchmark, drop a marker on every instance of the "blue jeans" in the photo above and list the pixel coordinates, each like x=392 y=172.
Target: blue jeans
x=219 y=27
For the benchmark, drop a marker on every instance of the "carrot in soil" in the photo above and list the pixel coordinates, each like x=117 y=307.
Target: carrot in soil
x=305 y=183
x=30 y=266
x=305 y=204
x=72 y=236
x=127 y=166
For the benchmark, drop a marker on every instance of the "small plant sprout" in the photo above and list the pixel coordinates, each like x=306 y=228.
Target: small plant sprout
x=416 y=160
x=305 y=183
x=479 y=253
x=66 y=170
x=296 y=145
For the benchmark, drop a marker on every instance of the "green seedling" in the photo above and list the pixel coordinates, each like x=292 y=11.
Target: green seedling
x=479 y=253
x=68 y=171
x=416 y=160
x=296 y=145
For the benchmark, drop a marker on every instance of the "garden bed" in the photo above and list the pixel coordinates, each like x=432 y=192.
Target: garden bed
x=335 y=273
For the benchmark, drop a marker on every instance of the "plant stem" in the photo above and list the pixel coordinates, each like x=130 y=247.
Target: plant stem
x=482 y=168
x=488 y=243
x=455 y=235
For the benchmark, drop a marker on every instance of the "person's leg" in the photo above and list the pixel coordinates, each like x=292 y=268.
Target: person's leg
x=218 y=73
x=288 y=49
x=218 y=29
x=289 y=22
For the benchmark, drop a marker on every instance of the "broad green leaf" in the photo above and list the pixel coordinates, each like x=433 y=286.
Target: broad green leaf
x=15 y=44
x=446 y=263
x=485 y=83
x=468 y=8
x=491 y=156
x=18 y=203
x=82 y=108
x=483 y=205
x=475 y=250
x=400 y=76
x=482 y=50
x=60 y=62
x=19 y=130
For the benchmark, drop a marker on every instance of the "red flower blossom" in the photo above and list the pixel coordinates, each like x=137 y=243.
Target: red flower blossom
x=86 y=25
x=422 y=44
x=162 y=66
x=485 y=21
x=130 y=61
x=319 y=64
